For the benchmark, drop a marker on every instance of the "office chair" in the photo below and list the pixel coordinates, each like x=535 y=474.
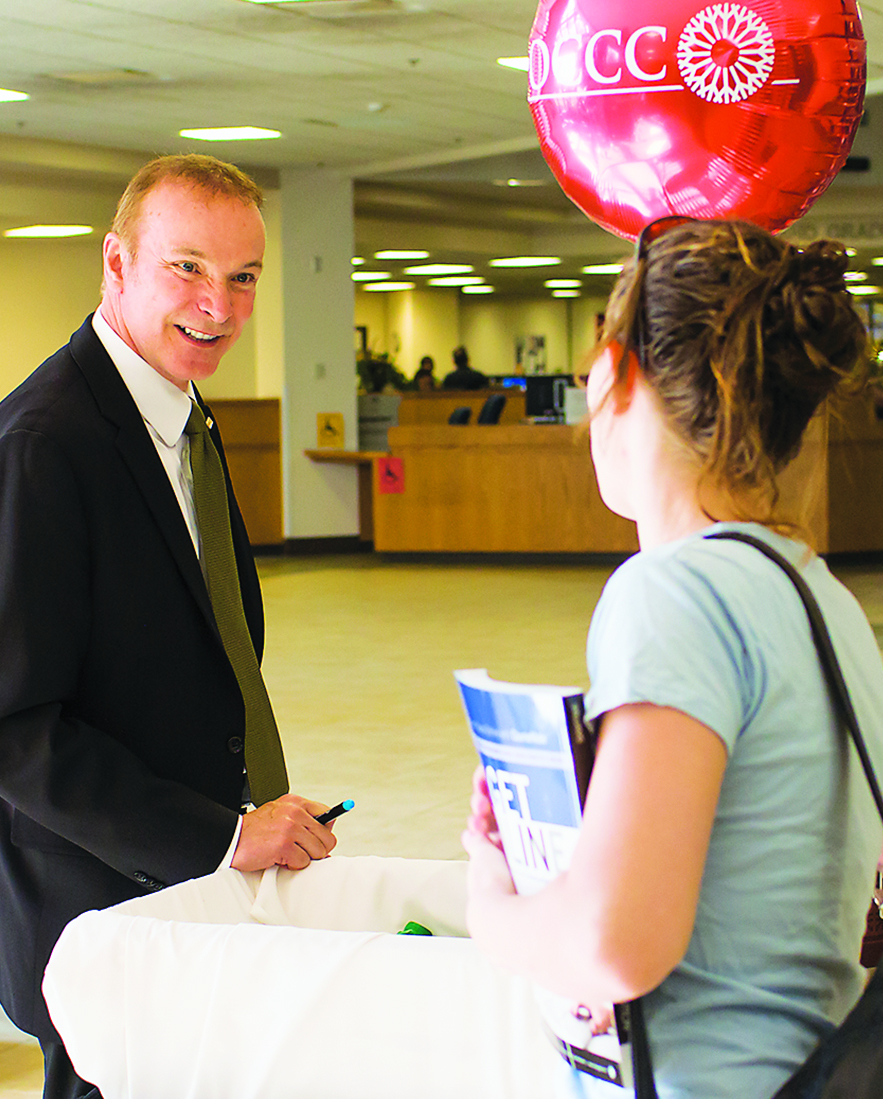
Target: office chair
x=460 y=415
x=492 y=409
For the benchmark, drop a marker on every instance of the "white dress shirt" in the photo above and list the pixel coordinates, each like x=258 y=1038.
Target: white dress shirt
x=165 y=410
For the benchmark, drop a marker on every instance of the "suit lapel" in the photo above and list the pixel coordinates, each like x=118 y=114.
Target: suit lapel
x=137 y=450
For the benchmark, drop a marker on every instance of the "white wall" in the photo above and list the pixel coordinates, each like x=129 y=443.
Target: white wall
x=412 y=323
x=371 y=311
x=321 y=500
x=269 y=312
x=424 y=322
x=50 y=288
x=490 y=326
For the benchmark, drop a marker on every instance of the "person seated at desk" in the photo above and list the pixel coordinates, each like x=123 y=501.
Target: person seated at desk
x=463 y=376
x=424 y=379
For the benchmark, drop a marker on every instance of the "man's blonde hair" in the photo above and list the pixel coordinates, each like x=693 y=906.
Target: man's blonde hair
x=204 y=173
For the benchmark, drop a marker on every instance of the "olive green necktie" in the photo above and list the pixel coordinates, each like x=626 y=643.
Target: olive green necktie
x=264 y=762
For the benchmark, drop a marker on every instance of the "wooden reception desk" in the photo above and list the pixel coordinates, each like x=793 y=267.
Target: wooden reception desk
x=530 y=488
x=518 y=488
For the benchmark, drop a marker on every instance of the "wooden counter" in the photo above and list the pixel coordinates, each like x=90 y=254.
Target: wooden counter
x=252 y=432
x=435 y=406
x=516 y=488
x=853 y=479
x=501 y=488
x=838 y=478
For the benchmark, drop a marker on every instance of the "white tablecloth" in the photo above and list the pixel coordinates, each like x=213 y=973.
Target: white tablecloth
x=288 y=985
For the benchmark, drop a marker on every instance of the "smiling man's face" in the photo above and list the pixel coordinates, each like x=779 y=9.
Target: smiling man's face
x=182 y=299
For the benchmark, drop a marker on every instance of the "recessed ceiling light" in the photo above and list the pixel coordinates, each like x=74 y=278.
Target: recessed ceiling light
x=358 y=261
x=369 y=276
x=603 y=269
x=457 y=280
x=9 y=96
x=520 y=63
x=526 y=261
x=855 y=276
x=566 y=294
x=384 y=286
x=563 y=284
x=440 y=269
x=49 y=231
x=398 y=253
x=483 y=289
x=231 y=133
x=865 y=291
x=877 y=261
x=519 y=182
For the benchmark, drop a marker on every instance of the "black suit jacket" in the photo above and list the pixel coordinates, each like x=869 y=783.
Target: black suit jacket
x=121 y=721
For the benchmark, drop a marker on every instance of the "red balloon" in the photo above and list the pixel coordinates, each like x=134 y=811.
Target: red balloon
x=656 y=107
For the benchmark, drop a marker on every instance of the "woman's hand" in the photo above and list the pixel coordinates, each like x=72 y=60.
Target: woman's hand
x=489 y=879
x=482 y=820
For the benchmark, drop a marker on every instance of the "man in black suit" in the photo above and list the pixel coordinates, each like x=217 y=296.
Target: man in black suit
x=122 y=722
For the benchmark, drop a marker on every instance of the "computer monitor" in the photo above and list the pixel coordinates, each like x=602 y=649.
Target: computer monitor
x=544 y=396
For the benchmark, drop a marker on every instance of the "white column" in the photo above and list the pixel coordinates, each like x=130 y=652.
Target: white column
x=318 y=345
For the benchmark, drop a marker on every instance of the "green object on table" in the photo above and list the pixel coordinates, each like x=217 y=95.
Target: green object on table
x=414 y=928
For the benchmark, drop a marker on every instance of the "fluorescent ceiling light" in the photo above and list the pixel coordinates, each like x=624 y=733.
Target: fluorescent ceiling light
x=521 y=63
x=358 y=261
x=231 y=133
x=483 y=289
x=398 y=253
x=855 y=276
x=526 y=261
x=440 y=269
x=877 y=261
x=383 y=286
x=49 y=231
x=603 y=269
x=8 y=96
x=865 y=291
x=370 y=276
x=566 y=294
x=563 y=284
x=458 y=280
x=519 y=182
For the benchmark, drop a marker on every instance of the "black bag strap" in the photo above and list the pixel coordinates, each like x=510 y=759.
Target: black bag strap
x=825 y=649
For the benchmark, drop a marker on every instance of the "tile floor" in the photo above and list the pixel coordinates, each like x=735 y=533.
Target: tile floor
x=360 y=652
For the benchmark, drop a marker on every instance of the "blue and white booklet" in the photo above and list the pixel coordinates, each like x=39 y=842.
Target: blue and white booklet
x=537 y=755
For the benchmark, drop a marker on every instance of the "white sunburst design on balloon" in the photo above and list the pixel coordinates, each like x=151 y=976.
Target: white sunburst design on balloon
x=726 y=53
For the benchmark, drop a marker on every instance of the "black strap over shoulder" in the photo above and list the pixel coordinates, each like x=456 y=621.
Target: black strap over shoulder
x=849 y=1061
x=825 y=648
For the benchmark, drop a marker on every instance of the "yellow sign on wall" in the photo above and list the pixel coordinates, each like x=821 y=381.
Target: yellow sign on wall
x=329 y=429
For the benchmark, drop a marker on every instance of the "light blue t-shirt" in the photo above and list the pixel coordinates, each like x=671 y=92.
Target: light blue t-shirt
x=716 y=630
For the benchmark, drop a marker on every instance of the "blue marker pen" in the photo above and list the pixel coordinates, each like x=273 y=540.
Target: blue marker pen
x=338 y=810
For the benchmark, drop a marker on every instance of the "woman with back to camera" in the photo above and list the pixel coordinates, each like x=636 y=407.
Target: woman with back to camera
x=729 y=839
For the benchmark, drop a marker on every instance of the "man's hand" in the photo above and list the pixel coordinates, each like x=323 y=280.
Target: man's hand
x=283 y=832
